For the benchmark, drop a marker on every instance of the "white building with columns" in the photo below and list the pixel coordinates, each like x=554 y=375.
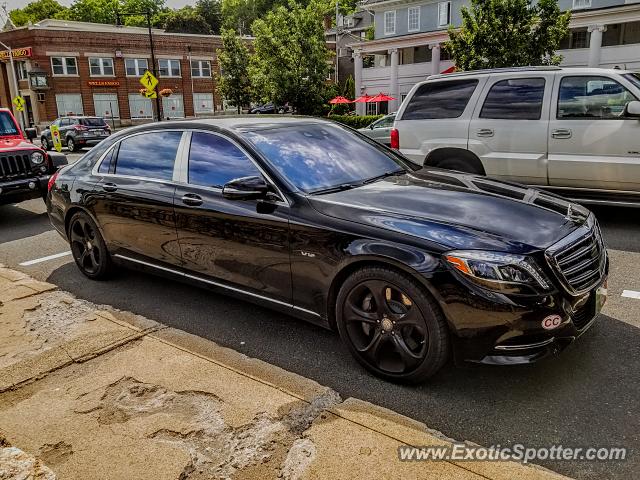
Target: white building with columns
x=409 y=36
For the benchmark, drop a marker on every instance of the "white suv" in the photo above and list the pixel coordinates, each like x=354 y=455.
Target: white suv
x=574 y=130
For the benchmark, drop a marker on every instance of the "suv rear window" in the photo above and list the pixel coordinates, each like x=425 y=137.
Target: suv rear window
x=446 y=99
x=93 y=122
x=7 y=125
x=514 y=99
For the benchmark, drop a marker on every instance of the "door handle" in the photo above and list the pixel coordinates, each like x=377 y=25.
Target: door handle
x=561 y=133
x=484 y=132
x=192 y=199
x=109 y=187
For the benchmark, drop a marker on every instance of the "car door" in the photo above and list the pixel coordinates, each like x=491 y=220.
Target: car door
x=243 y=243
x=133 y=198
x=591 y=144
x=508 y=130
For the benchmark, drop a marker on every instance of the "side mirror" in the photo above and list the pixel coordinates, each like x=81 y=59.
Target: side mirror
x=58 y=159
x=31 y=133
x=245 y=188
x=632 y=109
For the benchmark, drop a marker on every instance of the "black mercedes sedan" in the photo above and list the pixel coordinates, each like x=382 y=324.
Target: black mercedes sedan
x=411 y=265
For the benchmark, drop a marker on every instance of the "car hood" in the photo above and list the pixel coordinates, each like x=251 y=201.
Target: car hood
x=16 y=143
x=453 y=210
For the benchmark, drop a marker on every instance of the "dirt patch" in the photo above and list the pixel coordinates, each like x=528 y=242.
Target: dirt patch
x=56 y=453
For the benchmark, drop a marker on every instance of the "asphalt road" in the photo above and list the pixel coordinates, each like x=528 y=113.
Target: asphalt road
x=587 y=397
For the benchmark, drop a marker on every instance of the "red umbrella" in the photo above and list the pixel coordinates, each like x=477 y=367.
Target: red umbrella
x=451 y=69
x=339 y=99
x=363 y=99
x=381 y=97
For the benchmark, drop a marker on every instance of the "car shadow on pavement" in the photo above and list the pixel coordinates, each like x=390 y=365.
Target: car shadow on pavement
x=588 y=396
x=620 y=227
x=17 y=222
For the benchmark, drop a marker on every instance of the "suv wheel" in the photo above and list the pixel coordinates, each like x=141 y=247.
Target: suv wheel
x=391 y=325
x=45 y=144
x=71 y=145
x=88 y=248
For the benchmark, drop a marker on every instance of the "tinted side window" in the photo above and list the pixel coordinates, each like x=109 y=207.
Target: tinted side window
x=515 y=99
x=214 y=160
x=65 y=122
x=149 y=155
x=592 y=97
x=446 y=99
x=105 y=166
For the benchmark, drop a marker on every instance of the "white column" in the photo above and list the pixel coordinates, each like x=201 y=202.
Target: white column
x=357 y=79
x=595 y=44
x=435 y=59
x=393 y=81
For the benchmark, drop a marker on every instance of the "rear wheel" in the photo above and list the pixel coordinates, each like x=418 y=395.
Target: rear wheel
x=88 y=247
x=71 y=145
x=391 y=325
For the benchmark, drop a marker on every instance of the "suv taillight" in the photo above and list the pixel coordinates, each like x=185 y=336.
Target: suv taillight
x=52 y=181
x=80 y=128
x=395 y=139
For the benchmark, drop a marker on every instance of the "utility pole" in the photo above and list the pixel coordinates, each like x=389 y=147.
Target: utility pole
x=147 y=15
x=337 y=47
x=14 y=85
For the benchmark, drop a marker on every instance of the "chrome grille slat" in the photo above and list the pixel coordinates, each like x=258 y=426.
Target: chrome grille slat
x=579 y=259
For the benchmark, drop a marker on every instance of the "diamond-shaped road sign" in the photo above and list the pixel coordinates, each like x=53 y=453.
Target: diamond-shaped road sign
x=148 y=81
x=19 y=102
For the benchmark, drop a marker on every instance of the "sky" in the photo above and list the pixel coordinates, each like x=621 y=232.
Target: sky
x=12 y=4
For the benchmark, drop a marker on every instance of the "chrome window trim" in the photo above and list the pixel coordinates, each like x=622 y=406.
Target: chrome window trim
x=217 y=284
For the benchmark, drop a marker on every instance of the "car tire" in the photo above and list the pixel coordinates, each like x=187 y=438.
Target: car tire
x=459 y=165
x=71 y=144
x=392 y=325
x=88 y=247
x=44 y=143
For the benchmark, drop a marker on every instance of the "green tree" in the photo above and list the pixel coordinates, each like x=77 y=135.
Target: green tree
x=211 y=11
x=508 y=33
x=233 y=81
x=186 y=20
x=36 y=11
x=104 y=11
x=291 y=60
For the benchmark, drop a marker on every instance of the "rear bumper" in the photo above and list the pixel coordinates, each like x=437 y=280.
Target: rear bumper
x=13 y=191
x=89 y=141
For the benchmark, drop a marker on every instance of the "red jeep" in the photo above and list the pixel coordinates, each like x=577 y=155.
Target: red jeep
x=24 y=168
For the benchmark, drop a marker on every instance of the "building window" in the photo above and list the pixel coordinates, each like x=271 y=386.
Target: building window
x=21 y=67
x=203 y=102
x=414 y=19
x=139 y=106
x=169 y=68
x=444 y=14
x=101 y=67
x=135 y=67
x=69 y=104
x=579 y=39
x=390 y=22
x=581 y=4
x=106 y=105
x=173 y=106
x=200 y=68
x=64 y=66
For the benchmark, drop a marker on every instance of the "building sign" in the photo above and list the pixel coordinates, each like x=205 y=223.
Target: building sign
x=104 y=83
x=16 y=53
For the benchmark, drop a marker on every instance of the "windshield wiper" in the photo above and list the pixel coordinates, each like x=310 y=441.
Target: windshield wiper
x=384 y=175
x=335 y=188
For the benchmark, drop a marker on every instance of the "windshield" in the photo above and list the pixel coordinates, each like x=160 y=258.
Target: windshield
x=317 y=157
x=633 y=78
x=7 y=125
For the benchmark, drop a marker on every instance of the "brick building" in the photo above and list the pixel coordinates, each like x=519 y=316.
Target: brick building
x=66 y=67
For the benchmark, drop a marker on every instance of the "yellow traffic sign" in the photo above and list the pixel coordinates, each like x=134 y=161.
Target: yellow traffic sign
x=55 y=137
x=19 y=102
x=150 y=94
x=148 y=81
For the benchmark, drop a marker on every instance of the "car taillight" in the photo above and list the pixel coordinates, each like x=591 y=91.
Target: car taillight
x=52 y=181
x=80 y=128
x=395 y=139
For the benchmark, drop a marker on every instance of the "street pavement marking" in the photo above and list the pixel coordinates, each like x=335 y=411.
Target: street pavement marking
x=44 y=259
x=631 y=294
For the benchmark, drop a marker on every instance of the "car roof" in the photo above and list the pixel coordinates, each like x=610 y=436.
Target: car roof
x=495 y=71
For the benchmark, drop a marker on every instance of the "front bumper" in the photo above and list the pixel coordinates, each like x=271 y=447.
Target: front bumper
x=12 y=191
x=493 y=328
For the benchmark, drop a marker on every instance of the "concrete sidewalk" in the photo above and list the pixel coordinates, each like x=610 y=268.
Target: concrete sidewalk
x=87 y=392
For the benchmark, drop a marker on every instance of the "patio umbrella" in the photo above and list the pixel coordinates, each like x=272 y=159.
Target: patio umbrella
x=451 y=69
x=339 y=99
x=381 y=97
x=362 y=99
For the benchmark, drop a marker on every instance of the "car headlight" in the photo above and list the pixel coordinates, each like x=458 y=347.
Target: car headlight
x=499 y=271
x=37 y=158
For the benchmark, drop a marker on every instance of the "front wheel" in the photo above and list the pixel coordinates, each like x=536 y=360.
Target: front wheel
x=391 y=325
x=71 y=145
x=88 y=247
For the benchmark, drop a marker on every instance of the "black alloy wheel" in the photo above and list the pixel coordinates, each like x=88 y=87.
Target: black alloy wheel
x=88 y=248
x=397 y=332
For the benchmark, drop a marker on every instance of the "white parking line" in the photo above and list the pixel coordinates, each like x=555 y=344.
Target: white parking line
x=631 y=294
x=44 y=259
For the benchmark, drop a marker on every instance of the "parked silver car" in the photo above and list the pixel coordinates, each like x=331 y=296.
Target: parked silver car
x=380 y=130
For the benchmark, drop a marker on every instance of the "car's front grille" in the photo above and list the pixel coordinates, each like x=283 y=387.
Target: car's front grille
x=14 y=166
x=583 y=314
x=579 y=260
